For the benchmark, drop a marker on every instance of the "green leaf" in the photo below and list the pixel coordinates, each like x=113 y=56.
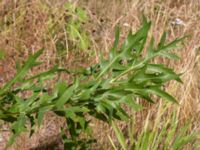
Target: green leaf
x=41 y=112
x=60 y=88
x=81 y=14
x=132 y=104
x=171 y=45
x=145 y=140
x=29 y=64
x=41 y=115
x=182 y=141
x=45 y=75
x=119 y=135
x=66 y=95
x=69 y=6
x=161 y=93
x=150 y=50
x=153 y=73
x=44 y=100
x=18 y=127
x=162 y=40
x=131 y=40
x=75 y=33
x=170 y=55
x=113 y=51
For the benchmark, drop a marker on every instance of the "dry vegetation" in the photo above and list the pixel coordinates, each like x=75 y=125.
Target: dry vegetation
x=24 y=29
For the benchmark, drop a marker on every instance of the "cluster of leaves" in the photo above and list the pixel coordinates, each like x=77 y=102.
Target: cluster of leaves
x=98 y=91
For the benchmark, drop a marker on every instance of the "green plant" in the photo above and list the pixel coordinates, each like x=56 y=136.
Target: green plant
x=98 y=91
x=66 y=27
x=165 y=134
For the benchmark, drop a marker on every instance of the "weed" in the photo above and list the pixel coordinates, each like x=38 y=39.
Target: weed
x=110 y=84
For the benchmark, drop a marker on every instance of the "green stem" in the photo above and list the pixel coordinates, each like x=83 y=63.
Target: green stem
x=141 y=64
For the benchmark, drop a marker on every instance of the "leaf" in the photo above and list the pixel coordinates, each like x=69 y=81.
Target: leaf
x=60 y=88
x=171 y=45
x=150 y=50
x=66 y=95
x=41 y=113
x=127 y=46
x=156 y=74
x=30 y=63
x=166 y=73
x=75 y=33
x=121 y=113
x=182 y=141
x=162 y=40
x=144 y=94
x=81 y=14
x=69 y=6
x=113 y=51
x=45 y=75
x=170 y=55
x=119 y=135
x=162 y=94
x=44 y=100
x=145 y=140
x=132 y=104
x=18 y=127
x=138 y=90
x=112 y=143
x=131 y=40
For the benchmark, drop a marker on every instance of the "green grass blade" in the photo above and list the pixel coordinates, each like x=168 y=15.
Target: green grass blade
x=119 y=135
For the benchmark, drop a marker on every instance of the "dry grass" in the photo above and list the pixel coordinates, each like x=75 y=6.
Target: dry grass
x=28 y=30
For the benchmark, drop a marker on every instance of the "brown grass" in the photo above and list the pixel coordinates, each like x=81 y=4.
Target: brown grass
x=24 y=30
